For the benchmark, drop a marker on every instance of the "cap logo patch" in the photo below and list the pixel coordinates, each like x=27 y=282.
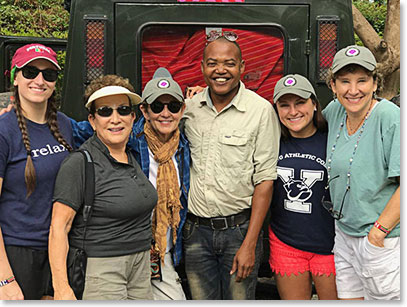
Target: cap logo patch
x=352 y=52
x=163 y=84
x=290 y=82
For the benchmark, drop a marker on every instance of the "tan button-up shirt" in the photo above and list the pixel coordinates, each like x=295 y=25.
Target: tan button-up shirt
x=231 y=151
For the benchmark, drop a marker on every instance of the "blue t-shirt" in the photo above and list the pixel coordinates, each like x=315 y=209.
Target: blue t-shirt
x=297 y=216
x=375 y=166
x=26 y=221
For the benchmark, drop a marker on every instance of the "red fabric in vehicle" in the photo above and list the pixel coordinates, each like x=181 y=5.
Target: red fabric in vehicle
x=181 y=54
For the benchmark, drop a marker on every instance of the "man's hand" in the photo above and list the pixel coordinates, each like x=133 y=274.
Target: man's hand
x=64 y=294
x=11 y=291
x=243 y=262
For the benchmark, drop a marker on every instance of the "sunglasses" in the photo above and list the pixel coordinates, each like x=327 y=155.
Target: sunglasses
x=214 y=35
x=31 y=72
x=173 y=106
x=108 y=111
x=329 y=206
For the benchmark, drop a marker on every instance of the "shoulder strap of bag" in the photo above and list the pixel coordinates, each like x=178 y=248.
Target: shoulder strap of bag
x=89 y=184
x=89 y=189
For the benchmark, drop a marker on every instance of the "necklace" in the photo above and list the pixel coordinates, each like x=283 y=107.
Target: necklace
x=354 y=149
x=350 y=130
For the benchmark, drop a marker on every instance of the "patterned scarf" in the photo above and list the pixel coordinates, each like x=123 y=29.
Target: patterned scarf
x=166 y=212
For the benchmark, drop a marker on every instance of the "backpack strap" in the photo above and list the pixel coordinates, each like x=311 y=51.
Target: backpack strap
x=89 y=189
x=89 y=184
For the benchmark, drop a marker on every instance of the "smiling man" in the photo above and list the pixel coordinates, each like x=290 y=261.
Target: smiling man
x=234 y=139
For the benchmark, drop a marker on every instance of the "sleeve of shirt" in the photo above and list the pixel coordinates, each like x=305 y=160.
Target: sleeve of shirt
x=267 y=147
x=4 y=148
x=69 y=182
x=326 y=111
x=81 y=132
x=391 y=146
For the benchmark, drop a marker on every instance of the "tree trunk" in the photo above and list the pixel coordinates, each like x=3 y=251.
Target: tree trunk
x=386 y=50
x=391 y=85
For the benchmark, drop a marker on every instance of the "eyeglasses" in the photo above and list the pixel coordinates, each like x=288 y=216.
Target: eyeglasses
x=329 y=206
x=214 y=35
x=108 y=111
x=173 y=106
x=31 y=72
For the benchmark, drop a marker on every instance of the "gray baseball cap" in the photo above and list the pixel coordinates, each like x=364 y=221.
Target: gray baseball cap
x=162 y=83
x=293 y=84
x=354 y=55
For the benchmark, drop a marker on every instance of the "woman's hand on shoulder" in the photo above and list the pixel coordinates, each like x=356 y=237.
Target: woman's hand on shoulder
x=11 y=291
x=191 y=91
x=6 y=109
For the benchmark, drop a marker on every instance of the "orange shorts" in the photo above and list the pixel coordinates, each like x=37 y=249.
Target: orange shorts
x=285 y=259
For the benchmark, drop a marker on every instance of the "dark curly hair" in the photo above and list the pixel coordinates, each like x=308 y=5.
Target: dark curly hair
x=103 y=81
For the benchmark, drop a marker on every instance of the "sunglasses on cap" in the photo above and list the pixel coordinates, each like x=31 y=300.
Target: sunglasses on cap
x=108 y=111
x=173 y=106
x=31 y=72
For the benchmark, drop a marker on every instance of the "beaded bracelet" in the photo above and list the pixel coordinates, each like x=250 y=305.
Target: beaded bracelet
x=7 y=281
x=381 y=227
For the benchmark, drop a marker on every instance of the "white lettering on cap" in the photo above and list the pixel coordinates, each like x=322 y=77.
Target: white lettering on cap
x=38 y=47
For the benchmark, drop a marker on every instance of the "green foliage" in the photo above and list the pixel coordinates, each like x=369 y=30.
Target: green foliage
x=58 y=88
x=38 y=18
x=375 y=13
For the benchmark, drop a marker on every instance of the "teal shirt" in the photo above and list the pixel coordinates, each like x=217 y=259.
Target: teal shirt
x=374 y=169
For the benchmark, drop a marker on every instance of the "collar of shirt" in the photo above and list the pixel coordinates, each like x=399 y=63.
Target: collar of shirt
x=238 y=103
x=103 y=148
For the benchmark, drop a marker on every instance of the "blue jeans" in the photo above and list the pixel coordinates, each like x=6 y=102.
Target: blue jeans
x=208 y=260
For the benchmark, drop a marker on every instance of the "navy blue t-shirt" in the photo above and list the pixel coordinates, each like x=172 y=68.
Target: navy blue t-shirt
x=25 y=221
x=297 y=216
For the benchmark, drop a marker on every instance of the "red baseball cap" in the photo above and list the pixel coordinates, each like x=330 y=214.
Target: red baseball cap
x=31 y=52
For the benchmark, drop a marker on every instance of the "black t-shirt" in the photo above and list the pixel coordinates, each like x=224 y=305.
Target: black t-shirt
x=120 y=223
x=297 y=216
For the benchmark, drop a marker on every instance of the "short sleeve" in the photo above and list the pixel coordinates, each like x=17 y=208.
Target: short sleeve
x=69 y=183
x=391 y=144
x=4 y=149
x=327 y=111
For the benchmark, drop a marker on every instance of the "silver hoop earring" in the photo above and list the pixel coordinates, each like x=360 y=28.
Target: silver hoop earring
x=374 y=95
x=334 y=95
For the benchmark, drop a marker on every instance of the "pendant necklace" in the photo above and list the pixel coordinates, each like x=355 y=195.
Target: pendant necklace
x=350 y=130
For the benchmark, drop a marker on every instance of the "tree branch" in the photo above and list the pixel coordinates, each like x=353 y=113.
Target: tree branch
x=392 y=27
x=365 y=31
x=385 y=53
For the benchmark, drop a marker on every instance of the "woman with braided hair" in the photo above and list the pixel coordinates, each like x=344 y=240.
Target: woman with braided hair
x=34 y=140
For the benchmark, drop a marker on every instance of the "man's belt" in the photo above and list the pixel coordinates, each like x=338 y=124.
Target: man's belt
x=221 y=222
